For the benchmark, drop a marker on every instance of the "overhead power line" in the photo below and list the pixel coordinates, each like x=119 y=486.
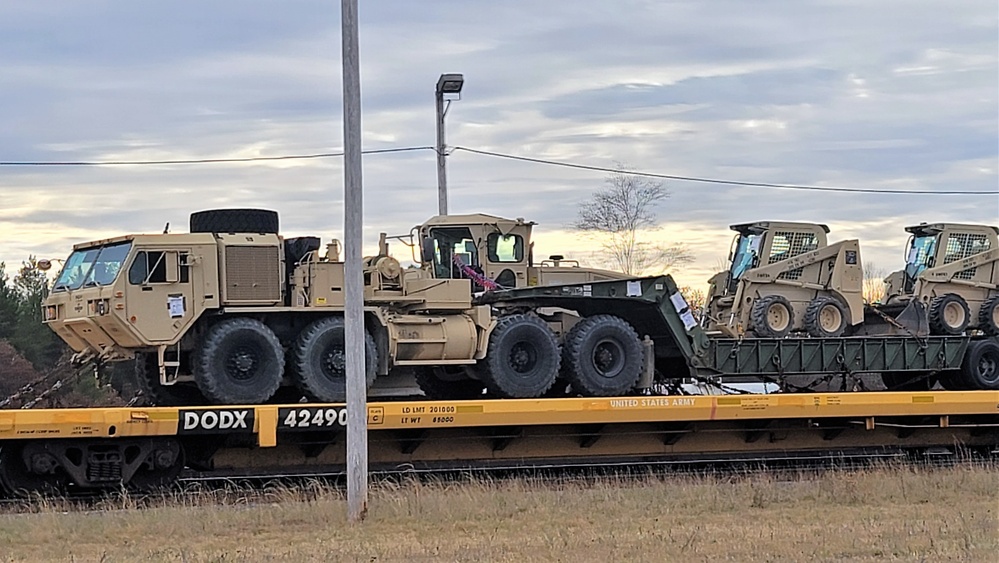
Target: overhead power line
x=716 y=180
x=578 y=166
x=205 y=160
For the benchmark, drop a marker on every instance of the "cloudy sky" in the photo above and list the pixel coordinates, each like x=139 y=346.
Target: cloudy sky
x=889 y=95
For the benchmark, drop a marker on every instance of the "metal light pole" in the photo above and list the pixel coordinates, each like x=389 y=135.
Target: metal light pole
x=446 y=84
x=357 y=415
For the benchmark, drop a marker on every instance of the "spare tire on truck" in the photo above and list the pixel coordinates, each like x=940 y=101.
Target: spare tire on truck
x=235 y=221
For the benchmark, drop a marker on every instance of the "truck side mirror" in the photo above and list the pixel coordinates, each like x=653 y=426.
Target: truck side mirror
x=427 y=250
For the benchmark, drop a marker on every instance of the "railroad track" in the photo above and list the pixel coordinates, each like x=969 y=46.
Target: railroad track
x=250 y=488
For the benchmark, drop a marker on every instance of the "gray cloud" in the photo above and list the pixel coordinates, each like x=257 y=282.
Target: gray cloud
x=847 y=93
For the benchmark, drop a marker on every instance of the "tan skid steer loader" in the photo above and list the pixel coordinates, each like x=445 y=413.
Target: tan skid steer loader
x=951 y=270
x=786 y=278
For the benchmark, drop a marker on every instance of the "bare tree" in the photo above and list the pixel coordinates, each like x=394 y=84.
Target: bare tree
x=874 y=286
x=618 y=214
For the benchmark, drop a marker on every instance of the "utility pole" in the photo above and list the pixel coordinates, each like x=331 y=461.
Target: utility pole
x=447 y=84
x=357 y=409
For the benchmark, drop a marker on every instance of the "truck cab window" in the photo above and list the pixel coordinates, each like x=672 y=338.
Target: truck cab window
x=151 y=267
x=505 y=248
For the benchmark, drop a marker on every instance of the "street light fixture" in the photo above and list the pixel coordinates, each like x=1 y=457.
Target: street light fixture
x=447 y=84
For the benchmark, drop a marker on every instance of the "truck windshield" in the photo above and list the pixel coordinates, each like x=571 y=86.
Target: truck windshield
x=746 y=251
x=922 y=249
x=90 y=267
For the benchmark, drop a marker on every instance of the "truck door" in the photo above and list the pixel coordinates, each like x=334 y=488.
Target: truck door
x=160 y=297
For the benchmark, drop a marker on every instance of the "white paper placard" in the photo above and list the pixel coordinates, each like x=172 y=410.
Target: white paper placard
x=176 y=306
x=688 y=320
x=679 y=303
x=634 y=288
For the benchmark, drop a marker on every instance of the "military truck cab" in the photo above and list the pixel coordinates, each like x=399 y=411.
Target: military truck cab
x=495 y=253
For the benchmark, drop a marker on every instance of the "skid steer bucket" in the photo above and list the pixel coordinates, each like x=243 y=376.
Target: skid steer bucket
x=896 y=320
x=913 y=318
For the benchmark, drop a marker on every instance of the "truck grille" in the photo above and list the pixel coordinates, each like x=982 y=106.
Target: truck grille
x=252 y=273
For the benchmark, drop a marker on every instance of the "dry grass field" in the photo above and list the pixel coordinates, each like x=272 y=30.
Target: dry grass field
x=884 y=514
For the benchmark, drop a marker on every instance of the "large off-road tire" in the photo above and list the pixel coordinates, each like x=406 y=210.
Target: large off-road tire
x=948 y=314
x=147 y=379
x=241 y=362
x=234 y=221
x=988 y=316
x=980 y=368
x=772 y=317
x=319 y=360
x=437 y=386
x=825 y=317
x=523 y=358
x=602 y=356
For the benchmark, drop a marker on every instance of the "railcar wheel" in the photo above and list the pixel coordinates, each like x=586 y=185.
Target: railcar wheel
x=602 y=356
x=523 y=358
x=234 y=221
x=825 y=317
x=772 y=317
x=980 y=368
x=948 y=314
x=147 y=378
x=160 y=469
x=319 y=360
x=444 y=384
x=18 y=480
x=988 y=316
x=241 y=362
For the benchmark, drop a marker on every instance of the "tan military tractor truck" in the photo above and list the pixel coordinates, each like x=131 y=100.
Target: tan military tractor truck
x=785 y=278
x=231 y=313
x=953 y=271
x=496 y=249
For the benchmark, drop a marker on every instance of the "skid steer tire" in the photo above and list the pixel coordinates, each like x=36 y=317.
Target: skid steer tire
x=234 y=221
x=523 y=358
x=319 y=361
x=825 y=317
x=988 y=316
x=241 y=363
x=147 y=379
x=602 y=356
x=980 y=368
x=949 y=314
x=772 y=317
x=438 y=388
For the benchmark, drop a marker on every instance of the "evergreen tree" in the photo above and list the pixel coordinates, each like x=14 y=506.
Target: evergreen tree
x=8 y=305
x=31 y=337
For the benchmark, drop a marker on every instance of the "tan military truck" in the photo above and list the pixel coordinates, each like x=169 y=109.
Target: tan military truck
x=783 y=278
x=953 y=271
x=232 y=312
